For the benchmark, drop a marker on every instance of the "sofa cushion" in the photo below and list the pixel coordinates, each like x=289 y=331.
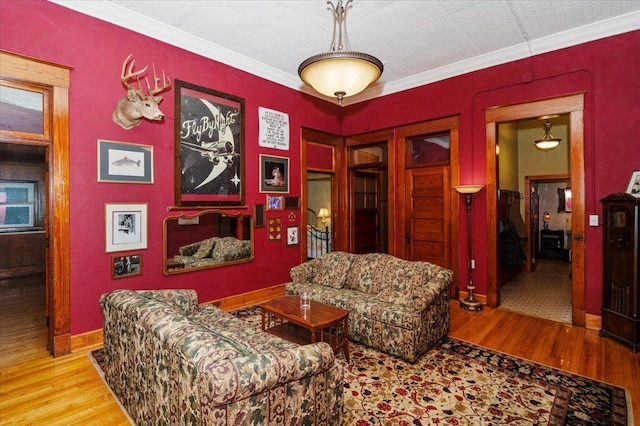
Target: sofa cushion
x=229 y=248
x=332 y=268
x=401 y=283
x=204 y=250
x=367 y=271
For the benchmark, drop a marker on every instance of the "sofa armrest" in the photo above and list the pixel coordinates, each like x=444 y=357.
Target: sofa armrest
x=304 y=272
x=229 y=380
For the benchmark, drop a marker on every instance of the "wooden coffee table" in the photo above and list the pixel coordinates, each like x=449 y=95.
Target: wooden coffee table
x=285 y=318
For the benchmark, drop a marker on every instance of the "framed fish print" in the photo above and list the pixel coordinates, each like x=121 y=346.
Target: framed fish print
x=209 y=147
x=124 y=162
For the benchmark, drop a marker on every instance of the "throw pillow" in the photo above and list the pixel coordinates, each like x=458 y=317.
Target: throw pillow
x=332 y=269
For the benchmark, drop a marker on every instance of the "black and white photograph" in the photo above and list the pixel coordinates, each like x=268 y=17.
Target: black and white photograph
x=292 y=235
x=634 y=184
x=209 y=147
x=126 y=266
x=125 y=227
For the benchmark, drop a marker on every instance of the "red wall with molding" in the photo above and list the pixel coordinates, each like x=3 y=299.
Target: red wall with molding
x=606 y=70
x=95 y=50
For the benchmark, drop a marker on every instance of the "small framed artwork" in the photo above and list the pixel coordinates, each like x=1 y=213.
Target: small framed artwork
x=274 y=174
x=259 y=216
x=634 y=184
x=124 y=162
x=125 y=226
x=292 y=235
x=275 y=202
x=126 y=266
x=275 y=229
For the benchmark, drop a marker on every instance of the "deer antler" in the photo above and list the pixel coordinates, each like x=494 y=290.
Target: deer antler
x=129 y=73
x=157 y=89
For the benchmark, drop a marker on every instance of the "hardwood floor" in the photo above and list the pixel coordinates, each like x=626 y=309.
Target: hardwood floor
x=38 y=389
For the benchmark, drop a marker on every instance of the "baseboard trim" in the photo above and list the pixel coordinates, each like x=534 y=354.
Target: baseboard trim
x=231 y=303
x=593 y=322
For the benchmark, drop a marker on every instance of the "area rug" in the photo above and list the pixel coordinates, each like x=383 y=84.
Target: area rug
x=458 y=383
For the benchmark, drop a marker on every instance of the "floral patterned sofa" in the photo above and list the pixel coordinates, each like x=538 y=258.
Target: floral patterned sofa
x=171 y=361
x=397 y=306
x=213 y=250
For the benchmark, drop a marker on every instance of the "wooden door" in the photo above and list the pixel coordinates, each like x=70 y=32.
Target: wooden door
x=366 y=224
x=427 y=215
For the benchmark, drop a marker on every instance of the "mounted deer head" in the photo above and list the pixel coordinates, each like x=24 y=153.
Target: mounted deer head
x=137 y=105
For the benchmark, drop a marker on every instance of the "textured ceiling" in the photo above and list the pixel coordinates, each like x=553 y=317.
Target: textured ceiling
x=418 y=41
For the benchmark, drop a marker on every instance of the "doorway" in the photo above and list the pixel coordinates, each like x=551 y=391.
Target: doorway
x=51 y=83
x=571 y=106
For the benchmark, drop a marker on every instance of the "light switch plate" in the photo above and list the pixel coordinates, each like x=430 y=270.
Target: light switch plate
x=593 y=220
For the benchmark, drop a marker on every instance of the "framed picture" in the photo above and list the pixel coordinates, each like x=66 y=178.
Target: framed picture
x=125 y=226
x=259 y=216
x=292 y=235
x=275 y=229
x=274 y=174
x=126 y=266
x=634 y=184
x=209 y=147
x=275 y=202
x=124 y=162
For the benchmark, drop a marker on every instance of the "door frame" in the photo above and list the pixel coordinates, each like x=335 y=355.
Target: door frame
x=573 y=105
x=22 y=68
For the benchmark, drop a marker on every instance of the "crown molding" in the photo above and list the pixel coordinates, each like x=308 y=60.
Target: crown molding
x=119 y=16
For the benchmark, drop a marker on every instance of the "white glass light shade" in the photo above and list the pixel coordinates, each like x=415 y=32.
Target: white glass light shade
x=468 y=189
x=340 y=74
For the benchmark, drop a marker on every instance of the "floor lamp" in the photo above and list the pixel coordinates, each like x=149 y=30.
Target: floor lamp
x=470 y=303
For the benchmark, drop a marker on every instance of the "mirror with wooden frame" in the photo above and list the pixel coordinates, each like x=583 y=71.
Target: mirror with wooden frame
x=208 y=239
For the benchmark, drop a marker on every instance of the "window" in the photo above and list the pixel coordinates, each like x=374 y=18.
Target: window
x=430 y=150
x=17 y=205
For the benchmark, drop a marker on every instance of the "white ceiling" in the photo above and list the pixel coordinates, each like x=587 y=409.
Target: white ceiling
x=419 y=42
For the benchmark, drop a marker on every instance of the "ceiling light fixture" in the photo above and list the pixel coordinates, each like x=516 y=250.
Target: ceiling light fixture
x=548 y=142
x=340 y=72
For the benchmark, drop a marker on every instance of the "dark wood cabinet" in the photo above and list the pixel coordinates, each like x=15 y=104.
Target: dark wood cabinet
x=621 y=257
x=552 y=244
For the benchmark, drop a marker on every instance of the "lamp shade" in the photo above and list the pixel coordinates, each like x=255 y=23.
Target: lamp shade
x=468 y=189
x=340 y=74
x=548 y=142
x=323 y=213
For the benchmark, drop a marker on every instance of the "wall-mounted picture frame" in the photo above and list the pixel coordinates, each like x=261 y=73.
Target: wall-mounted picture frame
x=634 y=184
x=275 y=202
x=126 y=266
x=125 y=226
x=258 y=213
x=275 y=229
x=124 y=162
x=209 y=147
x=292 y=235
x=274 y=174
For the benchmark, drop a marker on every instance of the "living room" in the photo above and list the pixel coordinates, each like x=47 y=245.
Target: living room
x=602 y=69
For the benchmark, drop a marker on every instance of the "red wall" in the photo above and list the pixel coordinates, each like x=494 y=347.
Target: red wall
x=95 y=50
x=606 y=71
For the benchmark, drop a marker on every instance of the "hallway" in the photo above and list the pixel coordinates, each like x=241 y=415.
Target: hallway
x=545 y=293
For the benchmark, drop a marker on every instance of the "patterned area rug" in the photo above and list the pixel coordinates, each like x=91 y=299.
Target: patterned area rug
x=458 y=383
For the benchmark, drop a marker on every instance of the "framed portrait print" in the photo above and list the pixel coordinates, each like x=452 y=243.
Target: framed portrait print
x=274 y=174
x=634 y=184
x=126 y=266
x=125 y=226
x=209 y=147
x=292 y=235
x=124 y=162
x=275 y=202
